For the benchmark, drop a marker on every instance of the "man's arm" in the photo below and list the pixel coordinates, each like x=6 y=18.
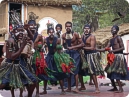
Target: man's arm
x=9 y=49
x=39 y=37
x=80 y=42
x=125 y=53
x=104 y=49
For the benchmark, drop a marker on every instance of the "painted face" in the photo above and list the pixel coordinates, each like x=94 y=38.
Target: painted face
x=87 y=30
x=51 y=33
x=58 y=29
x=33 y=28
x=68 y=28
x=113 y=31
x=19 y=33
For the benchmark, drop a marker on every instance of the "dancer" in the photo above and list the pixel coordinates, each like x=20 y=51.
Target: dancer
x=71 y=38
x=93 y=66
x=13 y=73
x=52 y=42
x=117 y=66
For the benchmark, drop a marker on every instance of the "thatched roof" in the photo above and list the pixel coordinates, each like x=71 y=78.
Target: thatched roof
x=47 y=2
x=104 y=35
x=3 y=30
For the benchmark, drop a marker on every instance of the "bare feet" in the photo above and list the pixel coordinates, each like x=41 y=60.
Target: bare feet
x=42 y=93
x=62 y=93
x=75 y=90
x=119 y=91
x=82 y=88
x=68 y=90
x=97 y=91
x=114 y=89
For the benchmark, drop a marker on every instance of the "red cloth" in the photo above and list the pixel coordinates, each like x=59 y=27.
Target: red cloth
x=110 y=58
x=66 y=68
x=107 y=49
x=41 y=65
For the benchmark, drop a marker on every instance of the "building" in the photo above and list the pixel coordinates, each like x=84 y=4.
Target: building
x=47 y=11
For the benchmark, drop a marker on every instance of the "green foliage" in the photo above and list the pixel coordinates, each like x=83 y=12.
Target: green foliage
x=104 y=11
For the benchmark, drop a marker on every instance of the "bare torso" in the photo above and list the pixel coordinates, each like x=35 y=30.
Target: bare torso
x=117 y=43
x=90 y=41
x=74 y=40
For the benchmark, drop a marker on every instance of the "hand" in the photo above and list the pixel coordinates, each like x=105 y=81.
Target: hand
x=110 y=51
x=24 y=41
x=26 y=26
x=70 y=48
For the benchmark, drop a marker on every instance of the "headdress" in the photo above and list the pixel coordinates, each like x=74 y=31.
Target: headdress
x=32 y=18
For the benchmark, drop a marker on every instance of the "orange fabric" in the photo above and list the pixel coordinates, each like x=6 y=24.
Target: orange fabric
x=110 y=58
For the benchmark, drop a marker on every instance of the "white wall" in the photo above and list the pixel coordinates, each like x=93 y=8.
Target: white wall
x=125 y=39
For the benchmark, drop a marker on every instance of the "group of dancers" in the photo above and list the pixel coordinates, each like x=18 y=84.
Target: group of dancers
x=70 y=56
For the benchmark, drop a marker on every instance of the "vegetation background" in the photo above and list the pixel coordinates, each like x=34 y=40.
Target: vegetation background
x=99 y=13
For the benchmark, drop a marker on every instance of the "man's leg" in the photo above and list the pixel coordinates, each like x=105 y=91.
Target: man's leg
x=90 y=83
x=120 y=87
x=45 y=88
x=82 y=83
x=96 y=83
x=2 y=86
x=69 y=84
x=114 y=86
x=37 y=89
x=31 y=89
x=61 y=85
x=21 y=93
x=76 y=81
x=12 y=93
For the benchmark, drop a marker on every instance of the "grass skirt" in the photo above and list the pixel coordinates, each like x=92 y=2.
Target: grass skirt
x=15 y=75
x=118 y=69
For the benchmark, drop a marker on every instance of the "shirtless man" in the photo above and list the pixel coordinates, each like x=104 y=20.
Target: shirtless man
x=118 y=69
x=71 y=38
x=94 y=67
x=17 y=75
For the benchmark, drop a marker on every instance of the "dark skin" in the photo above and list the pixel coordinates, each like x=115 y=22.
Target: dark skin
x=38 y=39
x=90 y=45
x=118 y=46
x=14 y=54
x=51 y=32
x=30 y=28
x=75 y=41
x=57 y=29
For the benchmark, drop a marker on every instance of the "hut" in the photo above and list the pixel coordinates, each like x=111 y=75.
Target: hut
x=47 y=11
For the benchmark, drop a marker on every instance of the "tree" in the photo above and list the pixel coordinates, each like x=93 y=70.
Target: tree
x=98 y=13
